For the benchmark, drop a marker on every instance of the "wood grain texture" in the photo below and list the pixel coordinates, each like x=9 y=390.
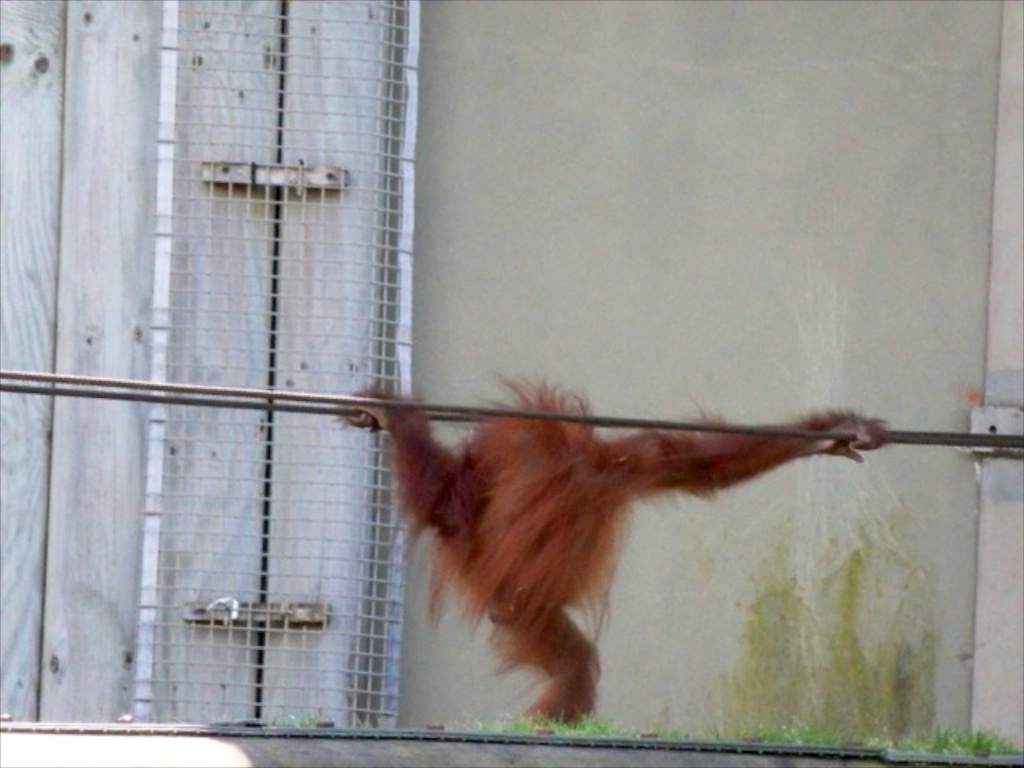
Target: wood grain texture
x=998 y=665
x=31 y=95
x=104 y=300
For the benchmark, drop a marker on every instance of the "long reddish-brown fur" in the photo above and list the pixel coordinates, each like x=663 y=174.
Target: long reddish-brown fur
x=529 y=515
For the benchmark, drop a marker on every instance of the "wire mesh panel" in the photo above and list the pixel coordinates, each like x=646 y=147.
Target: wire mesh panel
x=272 y=586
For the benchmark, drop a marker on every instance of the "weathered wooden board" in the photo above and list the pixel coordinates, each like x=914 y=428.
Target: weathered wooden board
x=250 y=509
x=31 y=101
x=998 y=665
x=103 y=302
x=321 y=540
x=256 y=751
x=212 y=532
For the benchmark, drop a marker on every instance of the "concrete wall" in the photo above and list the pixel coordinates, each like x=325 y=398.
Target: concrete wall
x=751 y=209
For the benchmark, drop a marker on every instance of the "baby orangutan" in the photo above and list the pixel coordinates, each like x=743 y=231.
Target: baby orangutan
x=528 y=514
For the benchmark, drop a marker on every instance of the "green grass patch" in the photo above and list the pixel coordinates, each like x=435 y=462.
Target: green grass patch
x=943 y=742
x=951 y=742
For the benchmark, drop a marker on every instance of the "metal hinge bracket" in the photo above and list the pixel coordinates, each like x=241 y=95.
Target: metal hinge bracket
x=229 y=612
x=298 y=178
x=997 y=420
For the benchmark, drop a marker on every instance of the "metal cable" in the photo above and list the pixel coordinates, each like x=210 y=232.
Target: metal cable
x=334 y=405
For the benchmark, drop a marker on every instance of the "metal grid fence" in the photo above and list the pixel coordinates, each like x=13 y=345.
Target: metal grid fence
x=271 y=584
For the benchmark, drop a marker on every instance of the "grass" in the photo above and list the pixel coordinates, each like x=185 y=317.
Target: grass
x=942 y=742
x=950 y=742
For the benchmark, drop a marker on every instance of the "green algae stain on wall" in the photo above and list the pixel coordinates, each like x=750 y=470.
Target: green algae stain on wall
x=848 y=649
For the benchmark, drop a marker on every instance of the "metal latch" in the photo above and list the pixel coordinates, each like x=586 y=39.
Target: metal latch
x=227 y=611
x=298 y=178
x=997 y=420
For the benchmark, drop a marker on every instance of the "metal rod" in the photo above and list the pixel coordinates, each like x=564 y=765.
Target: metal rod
x=341 y=405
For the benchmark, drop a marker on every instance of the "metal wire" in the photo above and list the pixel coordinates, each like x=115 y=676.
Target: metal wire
x=335 y=405
x=275 y=277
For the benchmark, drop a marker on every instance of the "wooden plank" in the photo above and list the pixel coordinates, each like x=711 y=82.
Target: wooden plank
x=402 y=748
x=321 y=541
x=103 y=302
x=31 y=100
x=211 y=539
x=104 y=285
x=997 y=700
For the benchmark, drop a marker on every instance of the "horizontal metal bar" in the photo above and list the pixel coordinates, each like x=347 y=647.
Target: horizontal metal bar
x=227 y=611
x=307 y=402
x=991 y=420
x=202 y=402
x=298 y=177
